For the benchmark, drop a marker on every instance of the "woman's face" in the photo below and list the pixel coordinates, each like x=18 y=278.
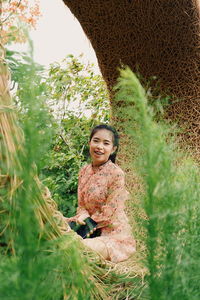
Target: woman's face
x=101 y=146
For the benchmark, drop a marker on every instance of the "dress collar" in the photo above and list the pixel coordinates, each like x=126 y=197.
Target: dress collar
x=98 y=168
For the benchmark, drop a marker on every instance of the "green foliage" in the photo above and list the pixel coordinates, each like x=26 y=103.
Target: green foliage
x=67 y=156
x=75 y=88
x=35 y=267
x=55 y=269
x=45 y=273
x=30 y=98
x=171 y=201
x=78 y=100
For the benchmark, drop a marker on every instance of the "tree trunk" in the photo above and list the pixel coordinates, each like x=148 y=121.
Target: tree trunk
x=159 y=39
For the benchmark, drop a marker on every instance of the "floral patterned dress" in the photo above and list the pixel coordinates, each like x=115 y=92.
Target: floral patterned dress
x=101 y=195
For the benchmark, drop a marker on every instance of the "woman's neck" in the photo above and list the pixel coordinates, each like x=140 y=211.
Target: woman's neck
x=99 y=165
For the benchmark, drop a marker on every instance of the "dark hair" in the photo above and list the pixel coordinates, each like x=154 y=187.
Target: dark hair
x=112 y=157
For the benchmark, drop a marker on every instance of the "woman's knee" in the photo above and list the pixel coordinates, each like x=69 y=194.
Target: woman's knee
x=98 y=246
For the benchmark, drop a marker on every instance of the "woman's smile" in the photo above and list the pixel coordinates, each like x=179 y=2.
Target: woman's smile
x=98 y=153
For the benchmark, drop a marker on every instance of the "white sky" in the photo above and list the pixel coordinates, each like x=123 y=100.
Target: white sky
x=58 y=33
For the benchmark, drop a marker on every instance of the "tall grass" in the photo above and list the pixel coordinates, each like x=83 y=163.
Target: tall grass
x=39 y=259
x=171 y=201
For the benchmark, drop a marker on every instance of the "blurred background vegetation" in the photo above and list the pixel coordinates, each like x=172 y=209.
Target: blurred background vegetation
x=75 y=99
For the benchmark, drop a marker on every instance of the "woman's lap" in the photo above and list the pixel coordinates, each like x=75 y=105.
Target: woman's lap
x=112 y=248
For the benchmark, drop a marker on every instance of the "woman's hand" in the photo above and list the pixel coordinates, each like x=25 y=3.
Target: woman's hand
x=81 y=218
x=91 y=231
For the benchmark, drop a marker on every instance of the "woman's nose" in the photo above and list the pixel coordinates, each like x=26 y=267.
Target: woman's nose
x=100 y=146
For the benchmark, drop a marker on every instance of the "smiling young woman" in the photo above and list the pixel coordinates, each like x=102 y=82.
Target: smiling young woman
x=101 y=198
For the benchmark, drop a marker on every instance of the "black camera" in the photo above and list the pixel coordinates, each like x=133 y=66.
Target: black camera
x=84 y=230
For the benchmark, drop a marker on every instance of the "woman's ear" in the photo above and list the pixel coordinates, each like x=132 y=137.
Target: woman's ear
x=114 y=149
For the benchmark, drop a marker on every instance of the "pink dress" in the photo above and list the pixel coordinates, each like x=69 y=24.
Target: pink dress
x=101 y=195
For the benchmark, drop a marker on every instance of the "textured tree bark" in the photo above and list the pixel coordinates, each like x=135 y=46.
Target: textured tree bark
x=156 y=38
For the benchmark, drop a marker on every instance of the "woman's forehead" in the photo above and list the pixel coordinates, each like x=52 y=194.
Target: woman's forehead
x=104 y=134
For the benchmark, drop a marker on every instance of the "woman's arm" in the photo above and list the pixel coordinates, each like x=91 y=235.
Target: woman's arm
x=82 y=212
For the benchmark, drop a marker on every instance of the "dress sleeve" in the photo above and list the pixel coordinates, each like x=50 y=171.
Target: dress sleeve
x=81 y=207
x=117 y=194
